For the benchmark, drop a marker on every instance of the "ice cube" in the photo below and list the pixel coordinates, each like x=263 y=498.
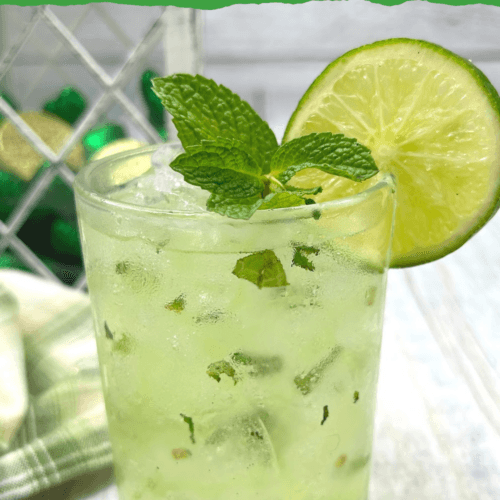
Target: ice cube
x=179 y=194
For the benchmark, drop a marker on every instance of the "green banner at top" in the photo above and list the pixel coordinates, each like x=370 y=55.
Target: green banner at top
x=218 y=4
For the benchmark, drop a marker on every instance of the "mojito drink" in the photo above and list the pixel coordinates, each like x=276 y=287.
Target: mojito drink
x=238 y=285
x=239 y=358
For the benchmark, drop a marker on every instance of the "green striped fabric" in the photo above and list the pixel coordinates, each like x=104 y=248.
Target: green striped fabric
x=64 y=432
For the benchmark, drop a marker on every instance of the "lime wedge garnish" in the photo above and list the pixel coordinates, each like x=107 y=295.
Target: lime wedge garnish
x=429 y=117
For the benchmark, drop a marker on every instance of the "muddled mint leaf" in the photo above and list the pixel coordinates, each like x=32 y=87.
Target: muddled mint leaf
x=281 y=200
x=181 y=453
x=340 y=461
x=356 y=396
x=258 y=365
x=239 y=364
x=261 y=268
x=306 y=383
x=304 y=191
x=300 y=257
x=215 y=370
x=122 y=267
x=229 y=172
x=109 y=333
x=256 y=434
x=370 y=295
x=177 y=305
x=190 y=423
x=123 y=345
x=210 y=317
x=326 y=414
x=241 y=208
x=316 y=215
x=201 y=109
x=359 y=463
x=334 y=154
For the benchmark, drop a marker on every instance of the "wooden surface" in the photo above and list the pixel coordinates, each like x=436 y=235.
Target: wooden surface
x=438 y=410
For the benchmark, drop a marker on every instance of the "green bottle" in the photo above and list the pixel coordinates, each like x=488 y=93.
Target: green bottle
x=153 y=103
x=68 y=105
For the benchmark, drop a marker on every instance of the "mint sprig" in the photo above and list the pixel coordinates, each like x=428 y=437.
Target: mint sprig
x=201 y=109
x=232 y=153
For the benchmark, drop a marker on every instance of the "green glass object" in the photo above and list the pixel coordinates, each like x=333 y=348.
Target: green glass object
x=6 y=97
x=153 y=102
x=8 y=260
x=11 y=190
x=11 y=186
x=68 y=105
x=97 y=138
x=64 y=238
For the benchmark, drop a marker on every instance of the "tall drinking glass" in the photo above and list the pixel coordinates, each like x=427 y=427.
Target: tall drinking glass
x=239 y=359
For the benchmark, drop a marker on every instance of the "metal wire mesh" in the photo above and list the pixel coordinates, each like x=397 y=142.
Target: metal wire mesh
x=112 y=93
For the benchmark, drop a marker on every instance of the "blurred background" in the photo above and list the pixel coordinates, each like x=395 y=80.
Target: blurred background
x=90 y=66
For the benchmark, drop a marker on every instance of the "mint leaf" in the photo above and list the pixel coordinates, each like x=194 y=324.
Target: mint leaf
x=259 y=365
x=281 y=200
x=241 y=208
x=356 y=396
x=300 y=257
x=307 y=382
x=261 y=268
x=224 y=171
x=359 y=463
x=334 y=154
x=177 y=305
x=201 y=109
x=244 y=208
x=215 y=370
x=210 y=317
x=124 y=345
x=190 y=423
x=302 y=191
x=326 y=414
x=181 y=453
x=122 y=267
x=241 y=364
x=109 y=333
x=340 y=461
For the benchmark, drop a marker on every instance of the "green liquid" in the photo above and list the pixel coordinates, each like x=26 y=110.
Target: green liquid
x=303 y=347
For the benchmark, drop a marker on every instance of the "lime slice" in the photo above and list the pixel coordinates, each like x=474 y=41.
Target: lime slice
x=429 y=117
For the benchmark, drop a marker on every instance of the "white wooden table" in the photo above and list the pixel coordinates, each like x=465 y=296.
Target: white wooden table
x=438 y=413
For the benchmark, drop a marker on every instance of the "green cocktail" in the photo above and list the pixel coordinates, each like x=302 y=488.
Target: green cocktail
x=239 y=358
x=239 y=325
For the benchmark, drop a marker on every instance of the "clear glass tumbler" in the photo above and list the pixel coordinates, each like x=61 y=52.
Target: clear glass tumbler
x=239 y=359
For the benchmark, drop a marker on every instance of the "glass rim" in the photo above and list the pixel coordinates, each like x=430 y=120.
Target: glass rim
x=83 y=189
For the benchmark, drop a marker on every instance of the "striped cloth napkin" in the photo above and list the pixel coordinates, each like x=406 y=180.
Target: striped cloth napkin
x=52 y=420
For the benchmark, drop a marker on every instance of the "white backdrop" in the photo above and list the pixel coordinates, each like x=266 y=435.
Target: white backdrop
x=270 y=53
